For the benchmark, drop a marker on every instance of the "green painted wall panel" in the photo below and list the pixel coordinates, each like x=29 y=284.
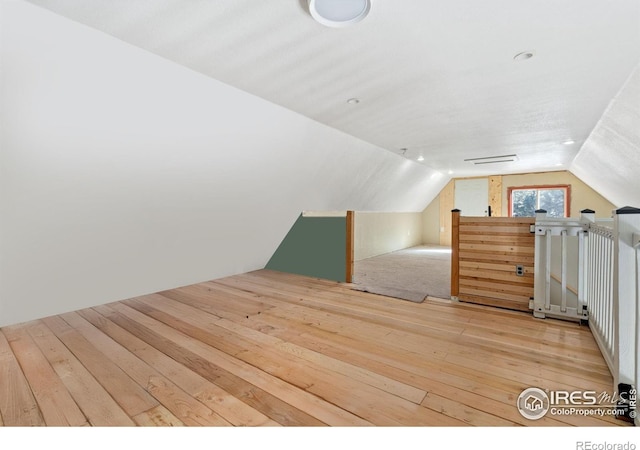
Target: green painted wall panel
x=315 y=246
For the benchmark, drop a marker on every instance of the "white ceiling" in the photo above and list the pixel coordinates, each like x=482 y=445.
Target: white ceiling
x=435 y=77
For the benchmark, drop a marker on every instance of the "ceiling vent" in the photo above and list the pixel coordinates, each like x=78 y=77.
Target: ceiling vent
x=492 y=159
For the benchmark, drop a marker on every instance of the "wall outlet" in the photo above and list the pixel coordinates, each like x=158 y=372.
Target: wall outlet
x=441 y=229
x=520 y=270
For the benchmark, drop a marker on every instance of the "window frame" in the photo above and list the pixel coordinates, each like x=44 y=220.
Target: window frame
x=537 y=187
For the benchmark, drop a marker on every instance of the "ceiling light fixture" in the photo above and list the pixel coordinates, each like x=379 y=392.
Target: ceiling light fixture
x=492 y=159
x=420 y=158
x=353 y=101
x=339 y=13
x=569 y=142
x=523 y=56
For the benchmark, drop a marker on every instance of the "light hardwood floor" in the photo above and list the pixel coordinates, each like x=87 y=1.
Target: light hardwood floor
x=270 y=349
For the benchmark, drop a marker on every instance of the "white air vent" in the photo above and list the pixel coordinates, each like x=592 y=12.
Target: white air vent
x=492 y=159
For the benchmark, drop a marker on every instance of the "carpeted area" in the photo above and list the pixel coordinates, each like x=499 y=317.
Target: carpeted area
x=410 y=274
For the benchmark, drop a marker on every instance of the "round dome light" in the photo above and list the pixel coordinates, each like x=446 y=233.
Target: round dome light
x=339 y=13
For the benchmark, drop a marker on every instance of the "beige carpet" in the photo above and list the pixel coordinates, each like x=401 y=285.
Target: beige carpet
x=410 y=274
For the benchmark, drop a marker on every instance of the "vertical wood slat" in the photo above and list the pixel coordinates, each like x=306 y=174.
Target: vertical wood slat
x=455 y=253
x=446 y=205
x=350 y=247
x=495 y=195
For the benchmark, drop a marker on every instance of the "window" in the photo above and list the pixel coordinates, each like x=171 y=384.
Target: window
x=524 y=200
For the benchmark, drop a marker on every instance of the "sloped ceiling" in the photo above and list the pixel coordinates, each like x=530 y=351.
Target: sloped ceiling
x=610 y=159
x=123 y=173
x=436 y=78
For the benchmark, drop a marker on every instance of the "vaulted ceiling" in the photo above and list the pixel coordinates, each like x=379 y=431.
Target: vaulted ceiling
x=434 y=79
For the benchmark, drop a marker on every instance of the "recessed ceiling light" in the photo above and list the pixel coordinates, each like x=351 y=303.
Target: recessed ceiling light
x=353 y=101
x=339 y=13
x=569 y=142
x=450 y=172
x=420 y=158
x=523 y=56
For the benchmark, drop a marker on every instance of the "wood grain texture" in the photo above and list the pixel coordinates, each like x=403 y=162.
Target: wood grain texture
x=495 y=195
x=179 y=403
x=446 y=205
x=455 y=253
x=96 y=404
x=270 y=349
x=490 y=248
x=157 y=417
x=56 y=404
x=130 y=396
x=18 y=405
x=350 y=246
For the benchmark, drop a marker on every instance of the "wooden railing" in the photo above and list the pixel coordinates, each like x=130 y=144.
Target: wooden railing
x=492 y=260
x=603 y=265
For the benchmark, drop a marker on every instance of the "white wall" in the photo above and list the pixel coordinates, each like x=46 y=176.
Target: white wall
x=122 y=173
x=431 y=223
x=376 y=233
x=608 y=160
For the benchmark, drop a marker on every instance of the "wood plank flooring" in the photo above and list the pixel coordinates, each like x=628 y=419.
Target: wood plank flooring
x=274 y=349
